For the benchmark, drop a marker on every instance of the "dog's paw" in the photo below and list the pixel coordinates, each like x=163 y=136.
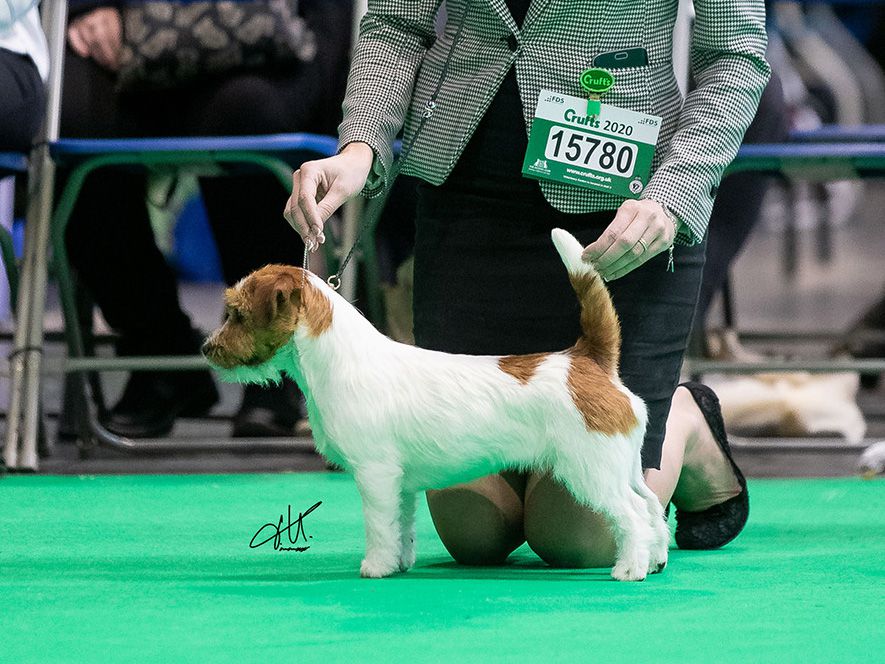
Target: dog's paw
x=658 y=562
x=406 y=561
x=629 y=570
x=374 y=569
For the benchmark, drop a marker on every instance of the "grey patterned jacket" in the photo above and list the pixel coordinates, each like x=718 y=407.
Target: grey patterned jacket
x=398 y=62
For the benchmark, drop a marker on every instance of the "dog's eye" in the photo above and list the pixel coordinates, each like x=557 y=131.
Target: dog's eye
x=233 y=316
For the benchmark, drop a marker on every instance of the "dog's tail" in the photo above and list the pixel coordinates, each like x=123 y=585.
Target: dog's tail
x=601 y=338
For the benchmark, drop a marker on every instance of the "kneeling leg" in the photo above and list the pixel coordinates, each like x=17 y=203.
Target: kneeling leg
x=480 y=522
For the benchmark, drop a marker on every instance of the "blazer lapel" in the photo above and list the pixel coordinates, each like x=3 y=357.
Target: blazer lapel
x=535 y=10
x=500 y=6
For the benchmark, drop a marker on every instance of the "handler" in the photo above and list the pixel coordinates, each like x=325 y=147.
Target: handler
x=514 y=127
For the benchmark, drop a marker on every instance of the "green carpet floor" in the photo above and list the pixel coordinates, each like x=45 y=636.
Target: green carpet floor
x=159 y=569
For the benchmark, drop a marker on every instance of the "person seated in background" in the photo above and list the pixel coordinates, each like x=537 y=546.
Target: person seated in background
x=109 y=238
x=735 y=213
x=24 y=67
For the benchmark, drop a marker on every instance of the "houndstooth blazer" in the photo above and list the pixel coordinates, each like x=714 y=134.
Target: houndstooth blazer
x=398 y=62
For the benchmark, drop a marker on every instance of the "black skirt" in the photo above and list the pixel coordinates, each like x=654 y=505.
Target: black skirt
x=488 y=280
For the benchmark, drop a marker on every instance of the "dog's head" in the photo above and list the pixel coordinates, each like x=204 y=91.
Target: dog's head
x=262 y=312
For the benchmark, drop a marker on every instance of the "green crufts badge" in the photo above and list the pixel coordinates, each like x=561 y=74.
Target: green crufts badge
x=596 y=82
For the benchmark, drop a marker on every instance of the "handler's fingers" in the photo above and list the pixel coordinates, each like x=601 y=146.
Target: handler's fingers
x=623 y=218
x=328 y=204
x=626 y=269
x=626 y=247
x=292 y=212
x=655 y=248
x=307 y=201
x=648 y=245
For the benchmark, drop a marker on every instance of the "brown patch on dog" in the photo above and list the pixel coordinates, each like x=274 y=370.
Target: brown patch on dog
x=263 y=311
x=281 y=298
x=521 y=367
x=603 y=406
x=316 y=310
x=601 y=328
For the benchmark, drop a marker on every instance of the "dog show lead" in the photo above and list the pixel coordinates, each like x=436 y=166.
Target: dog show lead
x=523 y=116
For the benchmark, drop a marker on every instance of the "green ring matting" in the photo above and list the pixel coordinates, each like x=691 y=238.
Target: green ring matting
x=159 y=569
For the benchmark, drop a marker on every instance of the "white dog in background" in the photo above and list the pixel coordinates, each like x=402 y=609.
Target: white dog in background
x=404 y=419
x=796 y=403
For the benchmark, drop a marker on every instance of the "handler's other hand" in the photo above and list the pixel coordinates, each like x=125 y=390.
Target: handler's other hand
x=320 y=187
x=640 y=230
x=98 y=35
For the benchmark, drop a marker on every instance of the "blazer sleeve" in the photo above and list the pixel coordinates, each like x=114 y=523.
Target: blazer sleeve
x=728 y=64
x=393 y=37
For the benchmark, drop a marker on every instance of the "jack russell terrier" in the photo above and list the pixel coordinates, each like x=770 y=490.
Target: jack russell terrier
x=403 y=419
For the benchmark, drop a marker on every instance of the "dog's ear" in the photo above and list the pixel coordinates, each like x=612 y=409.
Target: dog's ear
x=275 y=295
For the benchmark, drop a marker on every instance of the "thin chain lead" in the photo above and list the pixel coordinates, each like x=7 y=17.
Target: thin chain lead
x=305 y=264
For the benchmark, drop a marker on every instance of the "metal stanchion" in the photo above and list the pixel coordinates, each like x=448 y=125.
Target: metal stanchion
x=23 y=418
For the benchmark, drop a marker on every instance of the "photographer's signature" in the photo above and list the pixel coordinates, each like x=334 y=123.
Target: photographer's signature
x=278 y=530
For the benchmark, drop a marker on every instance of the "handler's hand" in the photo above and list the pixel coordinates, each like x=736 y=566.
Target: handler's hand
x=320 y=187
x=98 y=35
x=640 y=230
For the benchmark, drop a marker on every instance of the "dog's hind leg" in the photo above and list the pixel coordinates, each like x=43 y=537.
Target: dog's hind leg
x=660 y=544
x=616 y=501
x=407 y=530
x=380 y=486
x=632 y=538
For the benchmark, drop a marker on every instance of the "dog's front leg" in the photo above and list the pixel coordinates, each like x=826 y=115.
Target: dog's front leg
x=379 y=486
x=407 y=530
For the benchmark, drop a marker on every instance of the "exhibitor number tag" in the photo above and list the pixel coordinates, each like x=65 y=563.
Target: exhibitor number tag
x=598 y=153
x=610 y=152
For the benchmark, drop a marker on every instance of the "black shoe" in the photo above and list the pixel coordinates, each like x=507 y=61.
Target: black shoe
x=271 y=411
x=153 y=400
x=864 y=343
x=717 y=525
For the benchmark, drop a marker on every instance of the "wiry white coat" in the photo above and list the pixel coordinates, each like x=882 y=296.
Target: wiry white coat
x=405 y=419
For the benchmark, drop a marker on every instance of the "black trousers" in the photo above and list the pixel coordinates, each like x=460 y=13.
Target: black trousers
x=488 y=281
x=22 y=102
x=109 y=238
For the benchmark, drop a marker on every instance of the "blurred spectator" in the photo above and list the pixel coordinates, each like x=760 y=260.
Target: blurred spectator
x=24 y=66
x=866 y=338
x=110 y=240
x=735 y=213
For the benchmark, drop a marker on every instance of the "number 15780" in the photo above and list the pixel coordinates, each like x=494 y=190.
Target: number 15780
x=589 y=150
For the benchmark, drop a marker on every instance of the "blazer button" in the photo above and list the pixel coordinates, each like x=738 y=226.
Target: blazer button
x=512 y=42
x=714 y=190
